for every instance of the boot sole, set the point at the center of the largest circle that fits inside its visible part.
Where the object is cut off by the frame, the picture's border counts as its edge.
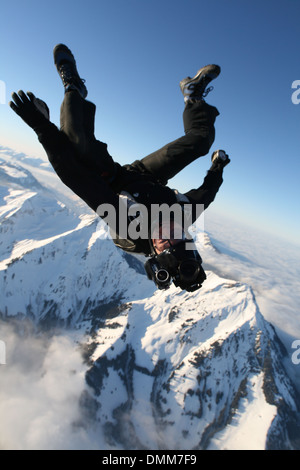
(62, 53)
(211, 71)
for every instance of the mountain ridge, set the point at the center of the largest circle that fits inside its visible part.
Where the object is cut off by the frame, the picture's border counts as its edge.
(164, 369)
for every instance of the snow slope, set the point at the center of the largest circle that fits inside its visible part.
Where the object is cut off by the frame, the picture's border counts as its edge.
(156, 370)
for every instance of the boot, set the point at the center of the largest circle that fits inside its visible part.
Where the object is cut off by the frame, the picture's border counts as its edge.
(66, 67)
(195, 88)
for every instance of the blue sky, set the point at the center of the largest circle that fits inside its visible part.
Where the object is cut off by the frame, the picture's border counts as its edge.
(133, 53)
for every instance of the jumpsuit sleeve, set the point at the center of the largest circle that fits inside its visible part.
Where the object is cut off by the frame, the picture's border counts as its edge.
(72, 171)
(206, 193)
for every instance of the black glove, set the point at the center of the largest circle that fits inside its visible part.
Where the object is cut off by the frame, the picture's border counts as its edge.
(219, 159)
(32, 110)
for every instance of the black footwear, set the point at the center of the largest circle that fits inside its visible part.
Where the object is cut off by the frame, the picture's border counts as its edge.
(66, 67)
(195, 88)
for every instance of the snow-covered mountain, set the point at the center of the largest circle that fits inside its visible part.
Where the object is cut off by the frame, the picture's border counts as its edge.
(162, 370)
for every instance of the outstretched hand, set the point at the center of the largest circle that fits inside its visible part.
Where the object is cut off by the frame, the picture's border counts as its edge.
(220, 158)
(32, 110)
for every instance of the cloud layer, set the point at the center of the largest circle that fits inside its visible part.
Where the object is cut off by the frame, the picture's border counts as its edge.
(40, 390)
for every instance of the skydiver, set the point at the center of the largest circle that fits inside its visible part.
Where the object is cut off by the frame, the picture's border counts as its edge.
(84, 164)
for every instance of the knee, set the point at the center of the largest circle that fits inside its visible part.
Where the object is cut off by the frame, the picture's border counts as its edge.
(200, 118)
(202, 139)
(80, 144)
(208, 141)
(78, 141)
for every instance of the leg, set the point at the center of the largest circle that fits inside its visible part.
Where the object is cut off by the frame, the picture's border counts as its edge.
(198, 118)
(78, 115)
(77, 118)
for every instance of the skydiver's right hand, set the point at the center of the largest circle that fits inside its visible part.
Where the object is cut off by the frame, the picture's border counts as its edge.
(32, 110)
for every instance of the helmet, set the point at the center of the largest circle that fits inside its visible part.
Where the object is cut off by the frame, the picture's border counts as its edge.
(180, 264)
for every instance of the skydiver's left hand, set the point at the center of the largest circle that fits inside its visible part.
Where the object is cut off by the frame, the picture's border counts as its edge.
(32, 110)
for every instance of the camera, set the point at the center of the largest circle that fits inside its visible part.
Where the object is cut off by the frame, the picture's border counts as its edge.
(156, 273)
(179, 265)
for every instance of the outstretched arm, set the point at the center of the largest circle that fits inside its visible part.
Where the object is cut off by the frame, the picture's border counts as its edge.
(78, 177)
(206, 193)
(35, 113)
